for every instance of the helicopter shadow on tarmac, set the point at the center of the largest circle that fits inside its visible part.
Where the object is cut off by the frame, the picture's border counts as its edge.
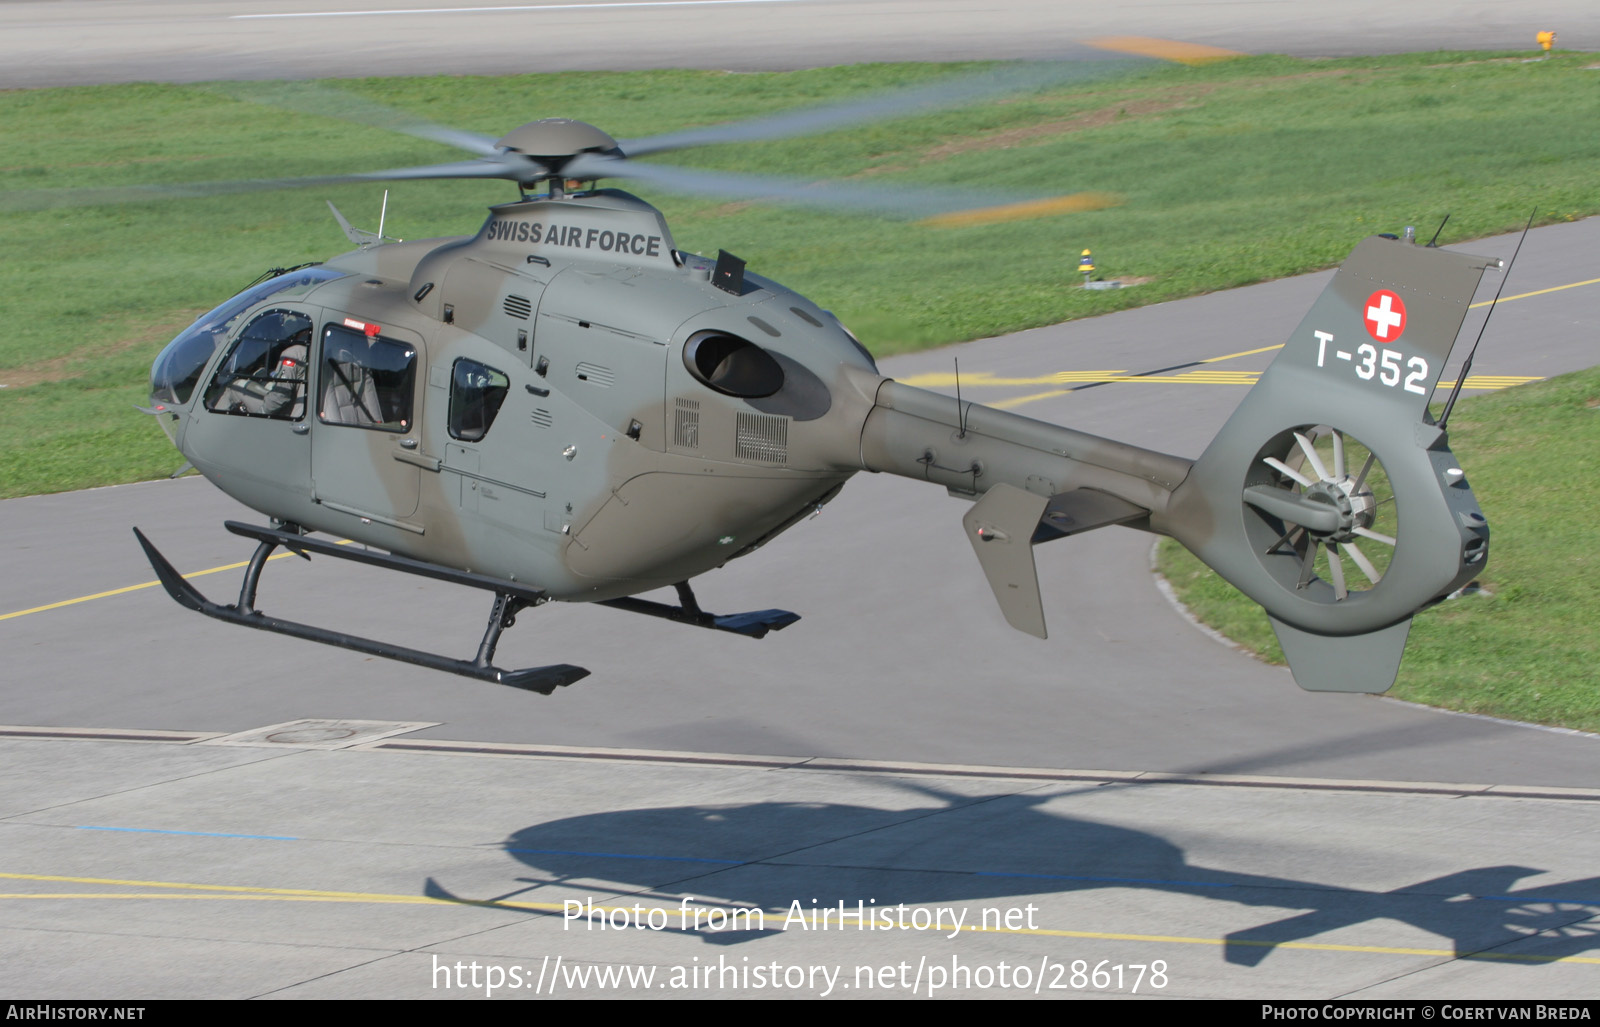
(1024, 850)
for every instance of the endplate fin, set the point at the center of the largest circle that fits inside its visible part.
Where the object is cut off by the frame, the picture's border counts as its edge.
(1367, 662)
(1000, 527)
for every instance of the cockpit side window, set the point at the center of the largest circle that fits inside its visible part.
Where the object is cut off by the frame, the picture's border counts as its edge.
(366, 381)
(476, 392)
(264, 373)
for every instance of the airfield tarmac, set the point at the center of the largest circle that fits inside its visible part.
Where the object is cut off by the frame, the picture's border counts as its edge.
(1152, 793)
(179, 869)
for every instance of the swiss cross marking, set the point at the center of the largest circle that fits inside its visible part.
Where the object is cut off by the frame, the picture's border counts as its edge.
(1385, 316)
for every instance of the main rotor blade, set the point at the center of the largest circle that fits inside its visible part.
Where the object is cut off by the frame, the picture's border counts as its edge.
(306, 98)
(48, 199)
(513, 167)
(945, 93)
(904, 201)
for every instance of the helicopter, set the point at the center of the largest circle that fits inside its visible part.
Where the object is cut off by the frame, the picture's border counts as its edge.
(565, 407)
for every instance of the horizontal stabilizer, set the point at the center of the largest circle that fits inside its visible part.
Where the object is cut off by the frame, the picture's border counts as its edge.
(1343, 663)
(1080, 510)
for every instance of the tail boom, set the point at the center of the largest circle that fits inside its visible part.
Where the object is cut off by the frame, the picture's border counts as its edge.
(1263, 506)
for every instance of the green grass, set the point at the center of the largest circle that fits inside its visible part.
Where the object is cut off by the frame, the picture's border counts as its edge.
(1524, 647)
(1232, 173)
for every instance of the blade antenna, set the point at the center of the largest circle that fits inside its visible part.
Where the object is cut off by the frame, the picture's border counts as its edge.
(1434, 242)
(961, 416)
(1467, 365)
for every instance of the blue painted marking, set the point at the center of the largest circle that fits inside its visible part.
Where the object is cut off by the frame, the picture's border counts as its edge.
(1108, 880)
(200, 834)
(625, 855)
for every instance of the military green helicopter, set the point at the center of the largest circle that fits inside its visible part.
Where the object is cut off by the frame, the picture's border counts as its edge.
(566, 407)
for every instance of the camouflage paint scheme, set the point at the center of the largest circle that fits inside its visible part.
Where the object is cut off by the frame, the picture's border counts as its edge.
(613, 467)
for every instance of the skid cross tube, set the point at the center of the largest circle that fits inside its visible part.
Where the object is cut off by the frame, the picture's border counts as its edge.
(510, 597)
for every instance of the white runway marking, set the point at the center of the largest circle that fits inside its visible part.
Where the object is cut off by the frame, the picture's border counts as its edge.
(518, 7)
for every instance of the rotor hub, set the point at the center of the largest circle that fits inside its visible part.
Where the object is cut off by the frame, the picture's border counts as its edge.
(1308, 503)
(554, 140)
(1355, 508)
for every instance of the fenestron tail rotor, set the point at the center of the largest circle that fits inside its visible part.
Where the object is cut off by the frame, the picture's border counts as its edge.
(1324, 509)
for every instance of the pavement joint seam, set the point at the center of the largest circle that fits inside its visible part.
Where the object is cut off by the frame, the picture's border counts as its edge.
(141, 787)
(1099, 778)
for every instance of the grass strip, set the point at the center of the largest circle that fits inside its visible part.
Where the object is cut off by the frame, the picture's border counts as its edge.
(1232, 173)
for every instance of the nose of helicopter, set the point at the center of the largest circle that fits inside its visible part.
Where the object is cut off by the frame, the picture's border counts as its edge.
(556, 137)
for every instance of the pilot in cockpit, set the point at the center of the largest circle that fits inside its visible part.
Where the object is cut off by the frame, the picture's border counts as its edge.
(285, 392)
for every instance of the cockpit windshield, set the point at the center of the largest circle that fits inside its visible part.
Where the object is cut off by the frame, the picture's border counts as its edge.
(177, 369)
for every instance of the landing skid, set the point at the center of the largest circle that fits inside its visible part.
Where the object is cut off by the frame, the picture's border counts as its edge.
(510, 599)
(755, 624)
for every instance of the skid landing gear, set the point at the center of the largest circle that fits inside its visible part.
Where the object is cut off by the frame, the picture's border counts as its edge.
(510, 598)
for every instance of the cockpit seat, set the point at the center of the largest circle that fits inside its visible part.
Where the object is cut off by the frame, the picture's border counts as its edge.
(349, 393)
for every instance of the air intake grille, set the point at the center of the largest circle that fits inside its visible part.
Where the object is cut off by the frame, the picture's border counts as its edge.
(594, 374)
(686, 425)
(519, 306)
(762, 438)
(542, 417)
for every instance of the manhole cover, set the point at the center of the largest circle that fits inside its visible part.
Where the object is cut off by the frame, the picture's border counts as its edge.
(319, 734)
(311, 734)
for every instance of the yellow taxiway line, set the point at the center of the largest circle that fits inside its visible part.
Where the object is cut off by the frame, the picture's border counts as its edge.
(942, 380)
(926, 381)
(135, 588)
(187, 890)
(128, 588)
(1536, 292)
(1482, 382)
